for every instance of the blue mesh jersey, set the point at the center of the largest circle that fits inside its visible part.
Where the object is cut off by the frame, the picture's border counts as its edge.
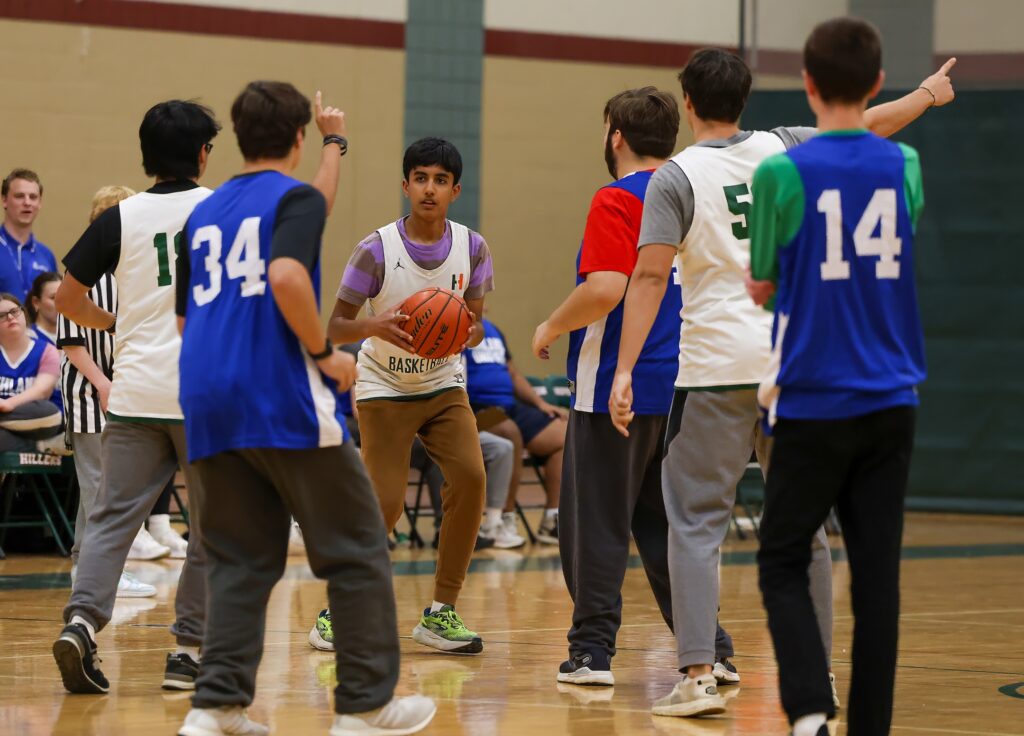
(833, 224)
(18, 377)
(488, 381)
(610, 244)
(246, 381)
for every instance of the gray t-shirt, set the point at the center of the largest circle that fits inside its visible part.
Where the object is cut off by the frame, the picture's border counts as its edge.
(668, 203)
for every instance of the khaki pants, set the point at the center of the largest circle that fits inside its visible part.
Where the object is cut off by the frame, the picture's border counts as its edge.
(446, 426)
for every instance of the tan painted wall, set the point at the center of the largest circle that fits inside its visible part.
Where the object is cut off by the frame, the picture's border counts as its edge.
(72, 110)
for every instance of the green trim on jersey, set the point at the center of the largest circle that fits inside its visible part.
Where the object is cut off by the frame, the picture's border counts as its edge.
(845, 131)
(913, 186)
(112, 417)
(776, 216)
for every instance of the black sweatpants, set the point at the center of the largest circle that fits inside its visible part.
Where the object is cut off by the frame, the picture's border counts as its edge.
(860, 465)
(246, 521)
(611, 487)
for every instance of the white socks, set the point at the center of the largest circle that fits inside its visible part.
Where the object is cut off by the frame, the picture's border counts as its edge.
(436, 606)
(193, 652)
(809, 725)
(550, 514)
(89, 627)
(159, 521)
(492, 517)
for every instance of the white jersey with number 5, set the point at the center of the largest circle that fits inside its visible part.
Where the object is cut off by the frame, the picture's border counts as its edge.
(146, 344)
(725, 339)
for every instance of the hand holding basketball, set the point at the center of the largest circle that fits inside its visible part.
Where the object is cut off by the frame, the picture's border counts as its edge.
(340, 366)
(439, 323)
(329, 120)
(475, 329)
(388, 326)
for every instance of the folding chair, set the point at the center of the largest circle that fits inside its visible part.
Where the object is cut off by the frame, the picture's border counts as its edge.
(33, 469)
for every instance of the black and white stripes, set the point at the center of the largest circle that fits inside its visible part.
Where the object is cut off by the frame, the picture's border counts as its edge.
(81, 402)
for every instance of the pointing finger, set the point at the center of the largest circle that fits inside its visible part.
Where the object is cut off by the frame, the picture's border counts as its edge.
(319, 103)
(944, 69)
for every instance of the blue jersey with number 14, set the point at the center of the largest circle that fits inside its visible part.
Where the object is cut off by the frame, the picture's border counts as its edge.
(839, 211)
(246, 381)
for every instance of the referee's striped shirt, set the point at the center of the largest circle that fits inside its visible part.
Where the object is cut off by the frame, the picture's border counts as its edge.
(81, 402)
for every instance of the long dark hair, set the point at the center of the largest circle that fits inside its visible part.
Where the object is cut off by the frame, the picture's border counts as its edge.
(36, 293)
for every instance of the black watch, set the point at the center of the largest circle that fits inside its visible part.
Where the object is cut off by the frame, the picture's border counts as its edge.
(325, 353)
(340, 140)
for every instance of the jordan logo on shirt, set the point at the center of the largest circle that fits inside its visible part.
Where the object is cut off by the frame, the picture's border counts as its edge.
(398, 265)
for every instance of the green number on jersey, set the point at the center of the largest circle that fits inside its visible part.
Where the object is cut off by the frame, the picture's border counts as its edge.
(738, 208)
(160, 243)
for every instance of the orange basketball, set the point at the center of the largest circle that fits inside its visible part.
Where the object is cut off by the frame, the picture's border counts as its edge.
(439, 322)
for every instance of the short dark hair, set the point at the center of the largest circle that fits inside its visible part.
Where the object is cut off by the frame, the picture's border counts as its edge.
(266, 117)
(647, 118)
(844, 57)
(433, 152)
(26, 174)
(717, 83)
(37, 291)
(172, 134)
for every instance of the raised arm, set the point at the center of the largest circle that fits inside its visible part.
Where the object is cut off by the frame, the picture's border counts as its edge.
(891, 117)
(329, 121)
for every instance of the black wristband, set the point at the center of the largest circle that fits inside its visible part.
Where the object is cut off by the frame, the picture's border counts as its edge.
(325, 353)
(340, 140)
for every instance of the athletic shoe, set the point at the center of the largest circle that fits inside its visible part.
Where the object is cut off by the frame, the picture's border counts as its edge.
(822, 731)
(75, 653)
(401, 716)
(228, 720)
(146, 548)
(510, 522)
(444, 630)
(691, 697)
(54, 445)
(725, 672)
(296, 544)
(161, 530)
(131, 587)
(500, 536)
(835, 693)
(321, 636)
(548, 531)
(585, 669)
(180, 673)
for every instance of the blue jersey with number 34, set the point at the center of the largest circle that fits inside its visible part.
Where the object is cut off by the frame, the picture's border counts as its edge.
(246, 381)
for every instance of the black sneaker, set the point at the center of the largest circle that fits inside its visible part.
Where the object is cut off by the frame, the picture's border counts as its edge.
(482, 543)
(586, 669)
(75, 653)
(725, 672)
(180, 673)
(547, 533)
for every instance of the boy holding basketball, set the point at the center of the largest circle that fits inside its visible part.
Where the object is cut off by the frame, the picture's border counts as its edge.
(401, 396)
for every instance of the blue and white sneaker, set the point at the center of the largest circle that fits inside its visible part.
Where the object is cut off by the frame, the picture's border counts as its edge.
(586, 669)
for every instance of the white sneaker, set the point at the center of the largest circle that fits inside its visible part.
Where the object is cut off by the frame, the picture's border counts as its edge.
(691, 698)
(228, 720)
(501, 536)
(161, 530)
(725, 672)
(296, 544)
(401, 716)
(835, 693)
(547, 532)
(146, 548)
(130, 586)
(509, 523)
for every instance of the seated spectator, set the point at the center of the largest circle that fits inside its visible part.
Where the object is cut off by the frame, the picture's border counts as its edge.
(506, 405)
(29, 368)
(22, 195)
(42, 305)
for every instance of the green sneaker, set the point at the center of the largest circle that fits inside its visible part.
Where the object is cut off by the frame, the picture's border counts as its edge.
(444, 630)
(322, 635)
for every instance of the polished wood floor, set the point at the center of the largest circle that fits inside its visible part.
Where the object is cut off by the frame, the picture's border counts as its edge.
(961, 668)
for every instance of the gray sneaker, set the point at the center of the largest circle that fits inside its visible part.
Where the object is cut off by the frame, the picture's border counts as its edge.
(400, 716)
(691, 698)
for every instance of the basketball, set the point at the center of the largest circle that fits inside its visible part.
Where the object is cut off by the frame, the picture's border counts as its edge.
(439, 322)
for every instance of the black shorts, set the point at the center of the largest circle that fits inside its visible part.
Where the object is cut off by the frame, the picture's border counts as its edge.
(530, 420)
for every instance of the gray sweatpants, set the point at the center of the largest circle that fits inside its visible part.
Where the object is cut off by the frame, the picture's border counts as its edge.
(137, 460)
(87, 447)
(711, 435)
(328, 491)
